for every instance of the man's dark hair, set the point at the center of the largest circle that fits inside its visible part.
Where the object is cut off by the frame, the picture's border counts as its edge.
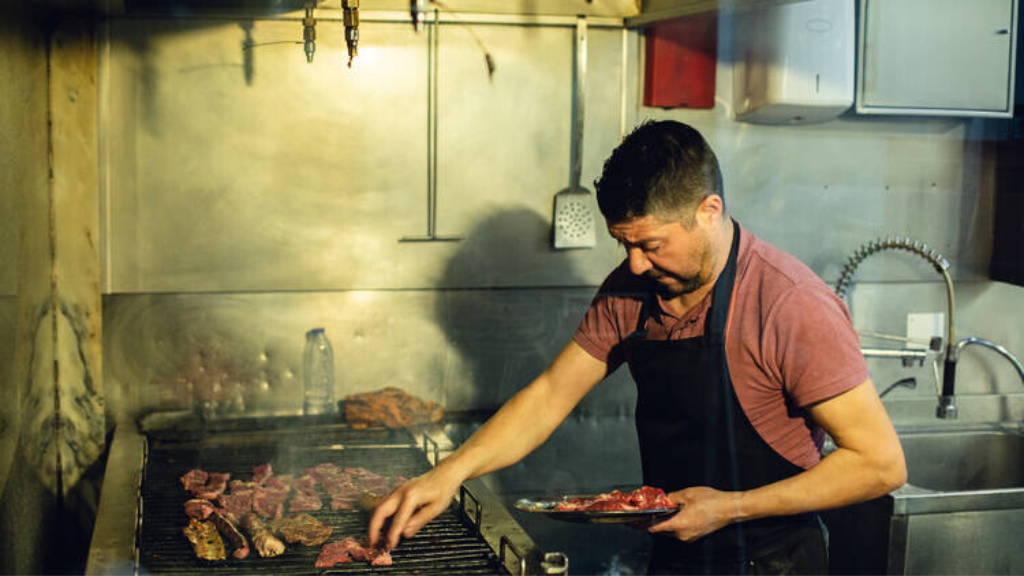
(662, 169)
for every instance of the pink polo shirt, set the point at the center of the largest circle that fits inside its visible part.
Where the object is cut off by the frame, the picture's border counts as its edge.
(789, 341)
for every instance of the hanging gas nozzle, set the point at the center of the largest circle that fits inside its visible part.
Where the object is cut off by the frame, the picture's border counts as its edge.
(351, 9)
(417, 9)
(309, 32)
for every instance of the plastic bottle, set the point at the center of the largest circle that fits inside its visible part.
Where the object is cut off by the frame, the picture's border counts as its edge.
(318, 374)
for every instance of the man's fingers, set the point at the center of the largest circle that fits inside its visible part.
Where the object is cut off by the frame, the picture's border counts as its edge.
(420, 519)
(398, 522)
(383, 511)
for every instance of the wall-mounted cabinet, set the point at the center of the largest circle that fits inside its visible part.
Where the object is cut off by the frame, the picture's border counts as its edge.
(937, 57)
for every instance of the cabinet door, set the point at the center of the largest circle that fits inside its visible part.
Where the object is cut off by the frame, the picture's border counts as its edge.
(938, 57)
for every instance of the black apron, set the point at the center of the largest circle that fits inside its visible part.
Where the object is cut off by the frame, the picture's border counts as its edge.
(693, 432)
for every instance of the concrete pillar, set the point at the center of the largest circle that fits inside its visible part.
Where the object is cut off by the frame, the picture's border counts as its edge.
(52, 428)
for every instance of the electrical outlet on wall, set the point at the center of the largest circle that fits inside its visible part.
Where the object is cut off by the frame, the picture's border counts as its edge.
(923, 326)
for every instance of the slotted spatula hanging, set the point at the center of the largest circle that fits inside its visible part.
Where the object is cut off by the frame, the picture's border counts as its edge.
(573, 220)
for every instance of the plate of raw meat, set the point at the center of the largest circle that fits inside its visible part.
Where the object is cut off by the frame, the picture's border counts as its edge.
(613, 507)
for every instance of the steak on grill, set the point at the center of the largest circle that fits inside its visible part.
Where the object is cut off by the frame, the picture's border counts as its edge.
(205, 485)
(206, 542)
(198, 508)
(229, 531)
(302, 529)
(350, 549)
(390, 407)
(267, 545)
(237, 502)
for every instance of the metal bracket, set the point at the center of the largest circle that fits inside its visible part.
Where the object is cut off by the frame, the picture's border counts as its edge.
(475, 519)
(555, 563)
(433, 52)
(437, 449)
(506, 543)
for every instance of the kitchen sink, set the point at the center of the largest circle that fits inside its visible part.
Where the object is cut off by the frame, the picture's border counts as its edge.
(960, 512)
(947, 460)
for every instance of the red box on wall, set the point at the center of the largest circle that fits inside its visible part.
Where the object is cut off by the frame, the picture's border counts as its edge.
(680, 65)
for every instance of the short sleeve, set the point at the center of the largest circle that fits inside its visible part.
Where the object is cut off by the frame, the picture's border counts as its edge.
(809, 344)
(608, 320)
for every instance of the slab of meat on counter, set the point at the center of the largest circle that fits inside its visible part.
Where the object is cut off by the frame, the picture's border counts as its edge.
(644, 498)
(302, 529)
(350, 549)
(205, 485)
(228, 529)
(261, 473)
(206, 542)
(266, 544)
(390, 407)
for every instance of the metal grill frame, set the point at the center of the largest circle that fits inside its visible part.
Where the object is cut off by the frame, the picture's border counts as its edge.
(114, 547)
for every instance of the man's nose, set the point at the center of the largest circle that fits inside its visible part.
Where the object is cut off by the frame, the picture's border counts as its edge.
(638, 262)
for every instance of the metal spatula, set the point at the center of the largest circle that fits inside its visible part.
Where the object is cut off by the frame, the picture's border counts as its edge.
(573, 220)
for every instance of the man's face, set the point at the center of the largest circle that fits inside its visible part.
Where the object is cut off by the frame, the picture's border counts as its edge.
(679, 260)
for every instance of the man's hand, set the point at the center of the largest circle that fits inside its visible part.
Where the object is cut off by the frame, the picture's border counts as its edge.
(702, 510)
(411, 506)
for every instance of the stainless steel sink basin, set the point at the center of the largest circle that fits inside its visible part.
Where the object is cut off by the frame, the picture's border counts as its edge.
(960, 512)
(964, 460)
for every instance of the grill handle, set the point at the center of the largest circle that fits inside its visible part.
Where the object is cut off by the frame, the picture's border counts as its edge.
(506, 543)
(464, 493)
(437, 450)
(555, 563)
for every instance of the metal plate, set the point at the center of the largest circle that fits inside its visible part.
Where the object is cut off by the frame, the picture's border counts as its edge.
(547, 506)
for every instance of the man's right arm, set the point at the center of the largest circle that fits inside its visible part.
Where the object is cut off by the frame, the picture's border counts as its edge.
(519, 427)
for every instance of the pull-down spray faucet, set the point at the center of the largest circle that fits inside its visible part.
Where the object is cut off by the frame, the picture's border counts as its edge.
(947, 401)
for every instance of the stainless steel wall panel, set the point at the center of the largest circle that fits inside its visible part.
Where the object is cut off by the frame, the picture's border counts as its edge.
(269, 174)
(250, 169)
(983, 309)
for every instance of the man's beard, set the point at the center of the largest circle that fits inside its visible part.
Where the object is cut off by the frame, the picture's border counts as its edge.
(683, 285)
(679, 287)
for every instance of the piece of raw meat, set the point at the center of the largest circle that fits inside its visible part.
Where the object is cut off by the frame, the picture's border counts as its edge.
(349, 549)
(205, 485)
(236, 503)
(198, 508)
(644, 498)
(334, 553)
(268, 502)
(261, 473)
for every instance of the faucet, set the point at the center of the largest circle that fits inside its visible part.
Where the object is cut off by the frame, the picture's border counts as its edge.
(947, 401)
(991, 345)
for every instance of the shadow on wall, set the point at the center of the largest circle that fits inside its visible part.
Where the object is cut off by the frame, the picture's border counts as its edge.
(507, 335)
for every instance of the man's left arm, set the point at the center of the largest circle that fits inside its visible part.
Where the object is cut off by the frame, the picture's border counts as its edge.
(868, 463)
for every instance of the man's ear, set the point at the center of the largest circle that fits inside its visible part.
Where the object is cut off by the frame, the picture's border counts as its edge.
(710, 210)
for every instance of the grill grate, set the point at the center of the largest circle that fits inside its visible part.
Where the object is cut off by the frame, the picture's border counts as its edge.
(447, 545)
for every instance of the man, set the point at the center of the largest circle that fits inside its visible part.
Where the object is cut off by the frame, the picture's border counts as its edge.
(742, 358)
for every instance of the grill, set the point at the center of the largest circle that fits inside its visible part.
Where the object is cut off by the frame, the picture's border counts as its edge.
(141, 513)
(448, 545)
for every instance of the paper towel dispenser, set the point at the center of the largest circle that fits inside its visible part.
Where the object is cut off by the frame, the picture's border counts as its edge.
(794, 63)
